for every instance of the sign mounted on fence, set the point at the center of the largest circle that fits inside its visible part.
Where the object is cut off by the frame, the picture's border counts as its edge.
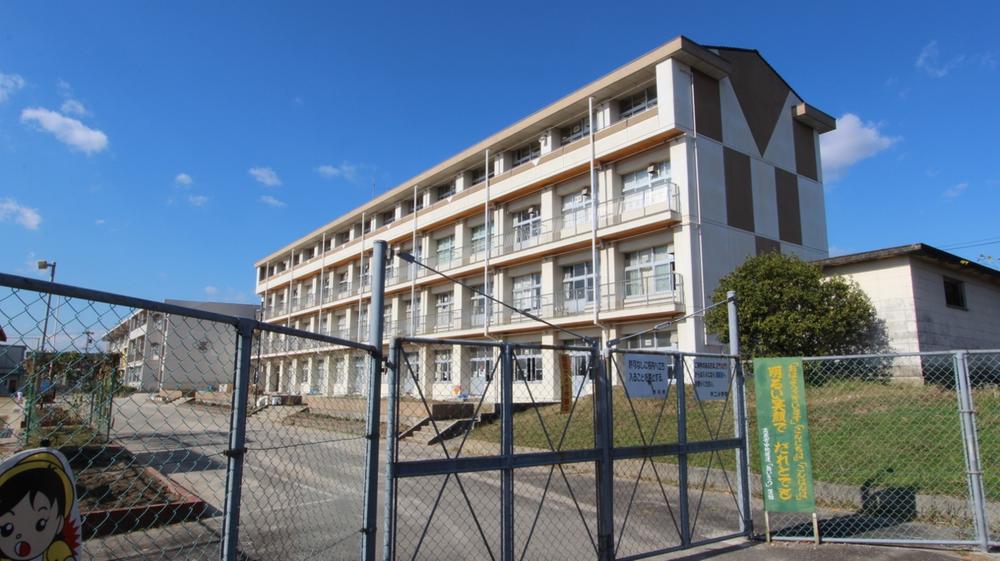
(646, 375)
(711, 378)
(786, 463)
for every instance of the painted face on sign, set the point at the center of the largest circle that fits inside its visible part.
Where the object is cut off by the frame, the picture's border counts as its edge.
(27, 529)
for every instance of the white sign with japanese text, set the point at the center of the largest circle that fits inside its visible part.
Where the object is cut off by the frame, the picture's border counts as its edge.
(646, 375)
(711, 378)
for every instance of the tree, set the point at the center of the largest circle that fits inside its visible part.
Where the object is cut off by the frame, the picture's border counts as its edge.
(786, 307)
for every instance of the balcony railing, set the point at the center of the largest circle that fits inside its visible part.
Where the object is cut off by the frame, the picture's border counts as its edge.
(643, 291)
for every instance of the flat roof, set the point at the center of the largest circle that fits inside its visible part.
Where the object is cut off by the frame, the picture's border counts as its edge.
(919, 250)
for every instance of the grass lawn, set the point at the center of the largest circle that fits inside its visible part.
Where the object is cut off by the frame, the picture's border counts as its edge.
(897, 435)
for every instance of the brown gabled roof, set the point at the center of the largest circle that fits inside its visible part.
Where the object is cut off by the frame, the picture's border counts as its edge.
(918, 250)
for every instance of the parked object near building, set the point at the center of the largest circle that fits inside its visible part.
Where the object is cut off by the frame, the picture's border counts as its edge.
(162, 352)
(616, 208)
(930, 300)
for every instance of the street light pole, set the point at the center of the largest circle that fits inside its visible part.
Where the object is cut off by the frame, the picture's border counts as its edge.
(42, 265)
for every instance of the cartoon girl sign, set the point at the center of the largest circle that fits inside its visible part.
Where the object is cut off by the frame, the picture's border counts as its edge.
(39, 519)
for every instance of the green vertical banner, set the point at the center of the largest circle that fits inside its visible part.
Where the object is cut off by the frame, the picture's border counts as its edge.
(786, 463)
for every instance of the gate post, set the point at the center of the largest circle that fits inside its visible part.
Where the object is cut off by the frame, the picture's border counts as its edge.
(391, 454)
(971, 440)
(682, 454)
(237, 445)
(738, 390)
(375, 319)
(605, 467)
(506, 453)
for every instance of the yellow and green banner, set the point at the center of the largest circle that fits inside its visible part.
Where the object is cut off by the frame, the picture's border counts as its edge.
(782, 426)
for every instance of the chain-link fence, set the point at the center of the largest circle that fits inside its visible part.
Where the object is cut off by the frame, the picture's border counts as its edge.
(190, 437)
(904, 449)
(507, 450)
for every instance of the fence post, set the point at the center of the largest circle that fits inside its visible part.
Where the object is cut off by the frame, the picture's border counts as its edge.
(506, 452)
(738, 390)
(237, 444)
(682, 455)
(391, 454)
(971, 438)
(605, 468)
(375, 319)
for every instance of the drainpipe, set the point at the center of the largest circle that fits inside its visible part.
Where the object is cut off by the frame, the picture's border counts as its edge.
(361, 274)
(413, 269)
(697, 190)
(487, 287)
(594, 264)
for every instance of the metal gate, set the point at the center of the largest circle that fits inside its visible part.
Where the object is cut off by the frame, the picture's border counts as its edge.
(553, 458)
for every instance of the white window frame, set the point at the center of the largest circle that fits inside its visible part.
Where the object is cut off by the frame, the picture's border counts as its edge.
(524, 154)
(442, 192)
(527, 224)
(527, 292)
(576, 208)
(444, 250)
(640, 190)
(574, 131)
(479, 238)
(649, 272)
(480, 306)
(578, 279)
(529, 366)
(443, 306)
(481, 360)
(442, 365)
(637, 102)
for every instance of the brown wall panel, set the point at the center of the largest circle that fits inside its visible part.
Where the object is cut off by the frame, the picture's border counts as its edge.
(739, 191)
(805, 150)
(707, 106)
(789, 217)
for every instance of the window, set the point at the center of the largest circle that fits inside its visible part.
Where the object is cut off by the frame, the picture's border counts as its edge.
(343, 283)
(954, 293)
(444, 191)
(408, 310)
(479, 239)
(527, 225)
(646, 186)
(442, 307)
(578, 287)
(388, 217)
(442, 366)
(574, 131)
(481, 305)
(366, 275)
(528, 366)
(649, 271)
(481, 363)
(525, 154)
(154, 349)
(576, 208)
(579, 361)
(656, 340)
(367, 225)
(445, 250)
(528, 292)
(343, 238)
(420, 201)
(479, 175)
(637, 102)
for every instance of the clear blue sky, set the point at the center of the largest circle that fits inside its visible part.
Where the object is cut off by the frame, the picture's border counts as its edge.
(138, 139)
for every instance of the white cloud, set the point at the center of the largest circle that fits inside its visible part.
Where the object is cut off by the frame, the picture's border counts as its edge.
(265, 175)
(211, 290)
(69, 131)
(929, 60)
(956, 190)
(271, 201)
(197, 200)
(183, 179)
(346, 170)
(12, 210)
(851, 142)
(9, 83)
(100, 222)
(73, 107)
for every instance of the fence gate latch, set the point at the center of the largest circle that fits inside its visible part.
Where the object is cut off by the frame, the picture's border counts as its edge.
(234, 452)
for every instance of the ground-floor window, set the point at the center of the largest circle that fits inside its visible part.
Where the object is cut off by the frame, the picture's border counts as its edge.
(442, 366)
